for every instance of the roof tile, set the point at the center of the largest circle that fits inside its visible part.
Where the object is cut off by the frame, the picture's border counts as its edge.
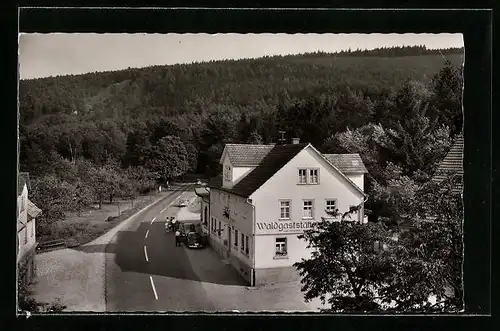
(271, 163)
(242, 155)
(452, 163)
(33, 210)
(347, 163)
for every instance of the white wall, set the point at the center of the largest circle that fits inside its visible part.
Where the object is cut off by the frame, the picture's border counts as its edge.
(240, 218)
(240, 212)
(283, 185)
(240, 172)
(27, 231)
(265, 251)
(228, 183)
(23, 213)
(358, 179)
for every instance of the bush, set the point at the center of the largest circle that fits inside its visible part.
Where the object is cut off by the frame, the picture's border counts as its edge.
(26, 302)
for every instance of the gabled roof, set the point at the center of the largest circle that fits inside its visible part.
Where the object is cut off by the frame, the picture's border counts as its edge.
(452, 163)
(347, 163)
(275, 159)
(24, 178)
(33, 210)
(245, 155)
(271, 163)
(347, 179)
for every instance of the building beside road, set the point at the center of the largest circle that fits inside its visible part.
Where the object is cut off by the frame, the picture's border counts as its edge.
(267, 196)
(26, 236)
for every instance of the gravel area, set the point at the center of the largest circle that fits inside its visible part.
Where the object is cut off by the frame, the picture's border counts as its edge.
(215, 277)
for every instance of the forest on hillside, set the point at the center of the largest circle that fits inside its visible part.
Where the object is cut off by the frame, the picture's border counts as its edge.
(93, 137)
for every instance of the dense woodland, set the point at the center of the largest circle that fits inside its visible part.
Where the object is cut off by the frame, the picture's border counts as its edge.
(93, 137)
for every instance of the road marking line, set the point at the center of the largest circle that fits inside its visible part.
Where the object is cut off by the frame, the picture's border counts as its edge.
(146, 254)
(147, 232)
(170, 204)
(153, 220)
(153, 286)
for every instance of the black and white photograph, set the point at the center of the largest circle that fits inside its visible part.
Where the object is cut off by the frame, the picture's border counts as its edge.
(264, 172)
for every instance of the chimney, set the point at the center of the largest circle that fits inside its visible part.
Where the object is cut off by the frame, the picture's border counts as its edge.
(282, 139)
(295, 141)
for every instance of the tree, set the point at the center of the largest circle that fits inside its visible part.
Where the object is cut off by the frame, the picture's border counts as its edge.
(446, 100)
(417, 264)
(54, 197)
(103, 181)
(192, 153)
(344, 269)
(138, 147)
(141, 179)
(255, 138)
(83, 196)
(169, 158)
(430, 255)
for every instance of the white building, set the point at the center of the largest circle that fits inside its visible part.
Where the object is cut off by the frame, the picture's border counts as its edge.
(267, 196)
(26, 236)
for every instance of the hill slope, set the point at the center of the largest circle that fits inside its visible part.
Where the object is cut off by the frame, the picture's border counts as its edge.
(253, 84)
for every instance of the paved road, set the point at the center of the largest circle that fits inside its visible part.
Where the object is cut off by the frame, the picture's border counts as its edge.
(147, 272)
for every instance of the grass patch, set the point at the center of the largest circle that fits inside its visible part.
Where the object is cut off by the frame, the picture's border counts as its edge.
(79, 230)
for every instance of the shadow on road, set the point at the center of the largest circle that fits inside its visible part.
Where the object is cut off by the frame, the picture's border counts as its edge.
(164, 258)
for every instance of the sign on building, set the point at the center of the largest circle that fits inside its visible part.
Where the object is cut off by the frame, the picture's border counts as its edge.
(279, 227)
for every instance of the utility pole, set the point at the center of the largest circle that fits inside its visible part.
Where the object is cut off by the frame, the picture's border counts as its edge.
(282, 139)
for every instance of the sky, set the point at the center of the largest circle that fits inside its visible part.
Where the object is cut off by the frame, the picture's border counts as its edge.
(44, 55)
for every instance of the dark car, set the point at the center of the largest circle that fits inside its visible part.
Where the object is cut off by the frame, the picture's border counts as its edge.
(194, 240)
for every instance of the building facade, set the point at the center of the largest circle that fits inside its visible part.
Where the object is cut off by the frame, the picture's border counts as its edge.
(26, 232)
(268, 195)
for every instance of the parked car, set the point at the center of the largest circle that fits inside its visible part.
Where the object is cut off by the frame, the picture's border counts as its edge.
(194, 240)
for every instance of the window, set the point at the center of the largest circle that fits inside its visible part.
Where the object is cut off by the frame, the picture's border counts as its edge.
(331, 205)
(219, 233)
(302, 176)
(205, 219)
(308, 176)
(285, 209)
(313, 176)
(235, 238)
(227, 173)
(246, 246)
(242, 242)
(281, 247)
(307, 209)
